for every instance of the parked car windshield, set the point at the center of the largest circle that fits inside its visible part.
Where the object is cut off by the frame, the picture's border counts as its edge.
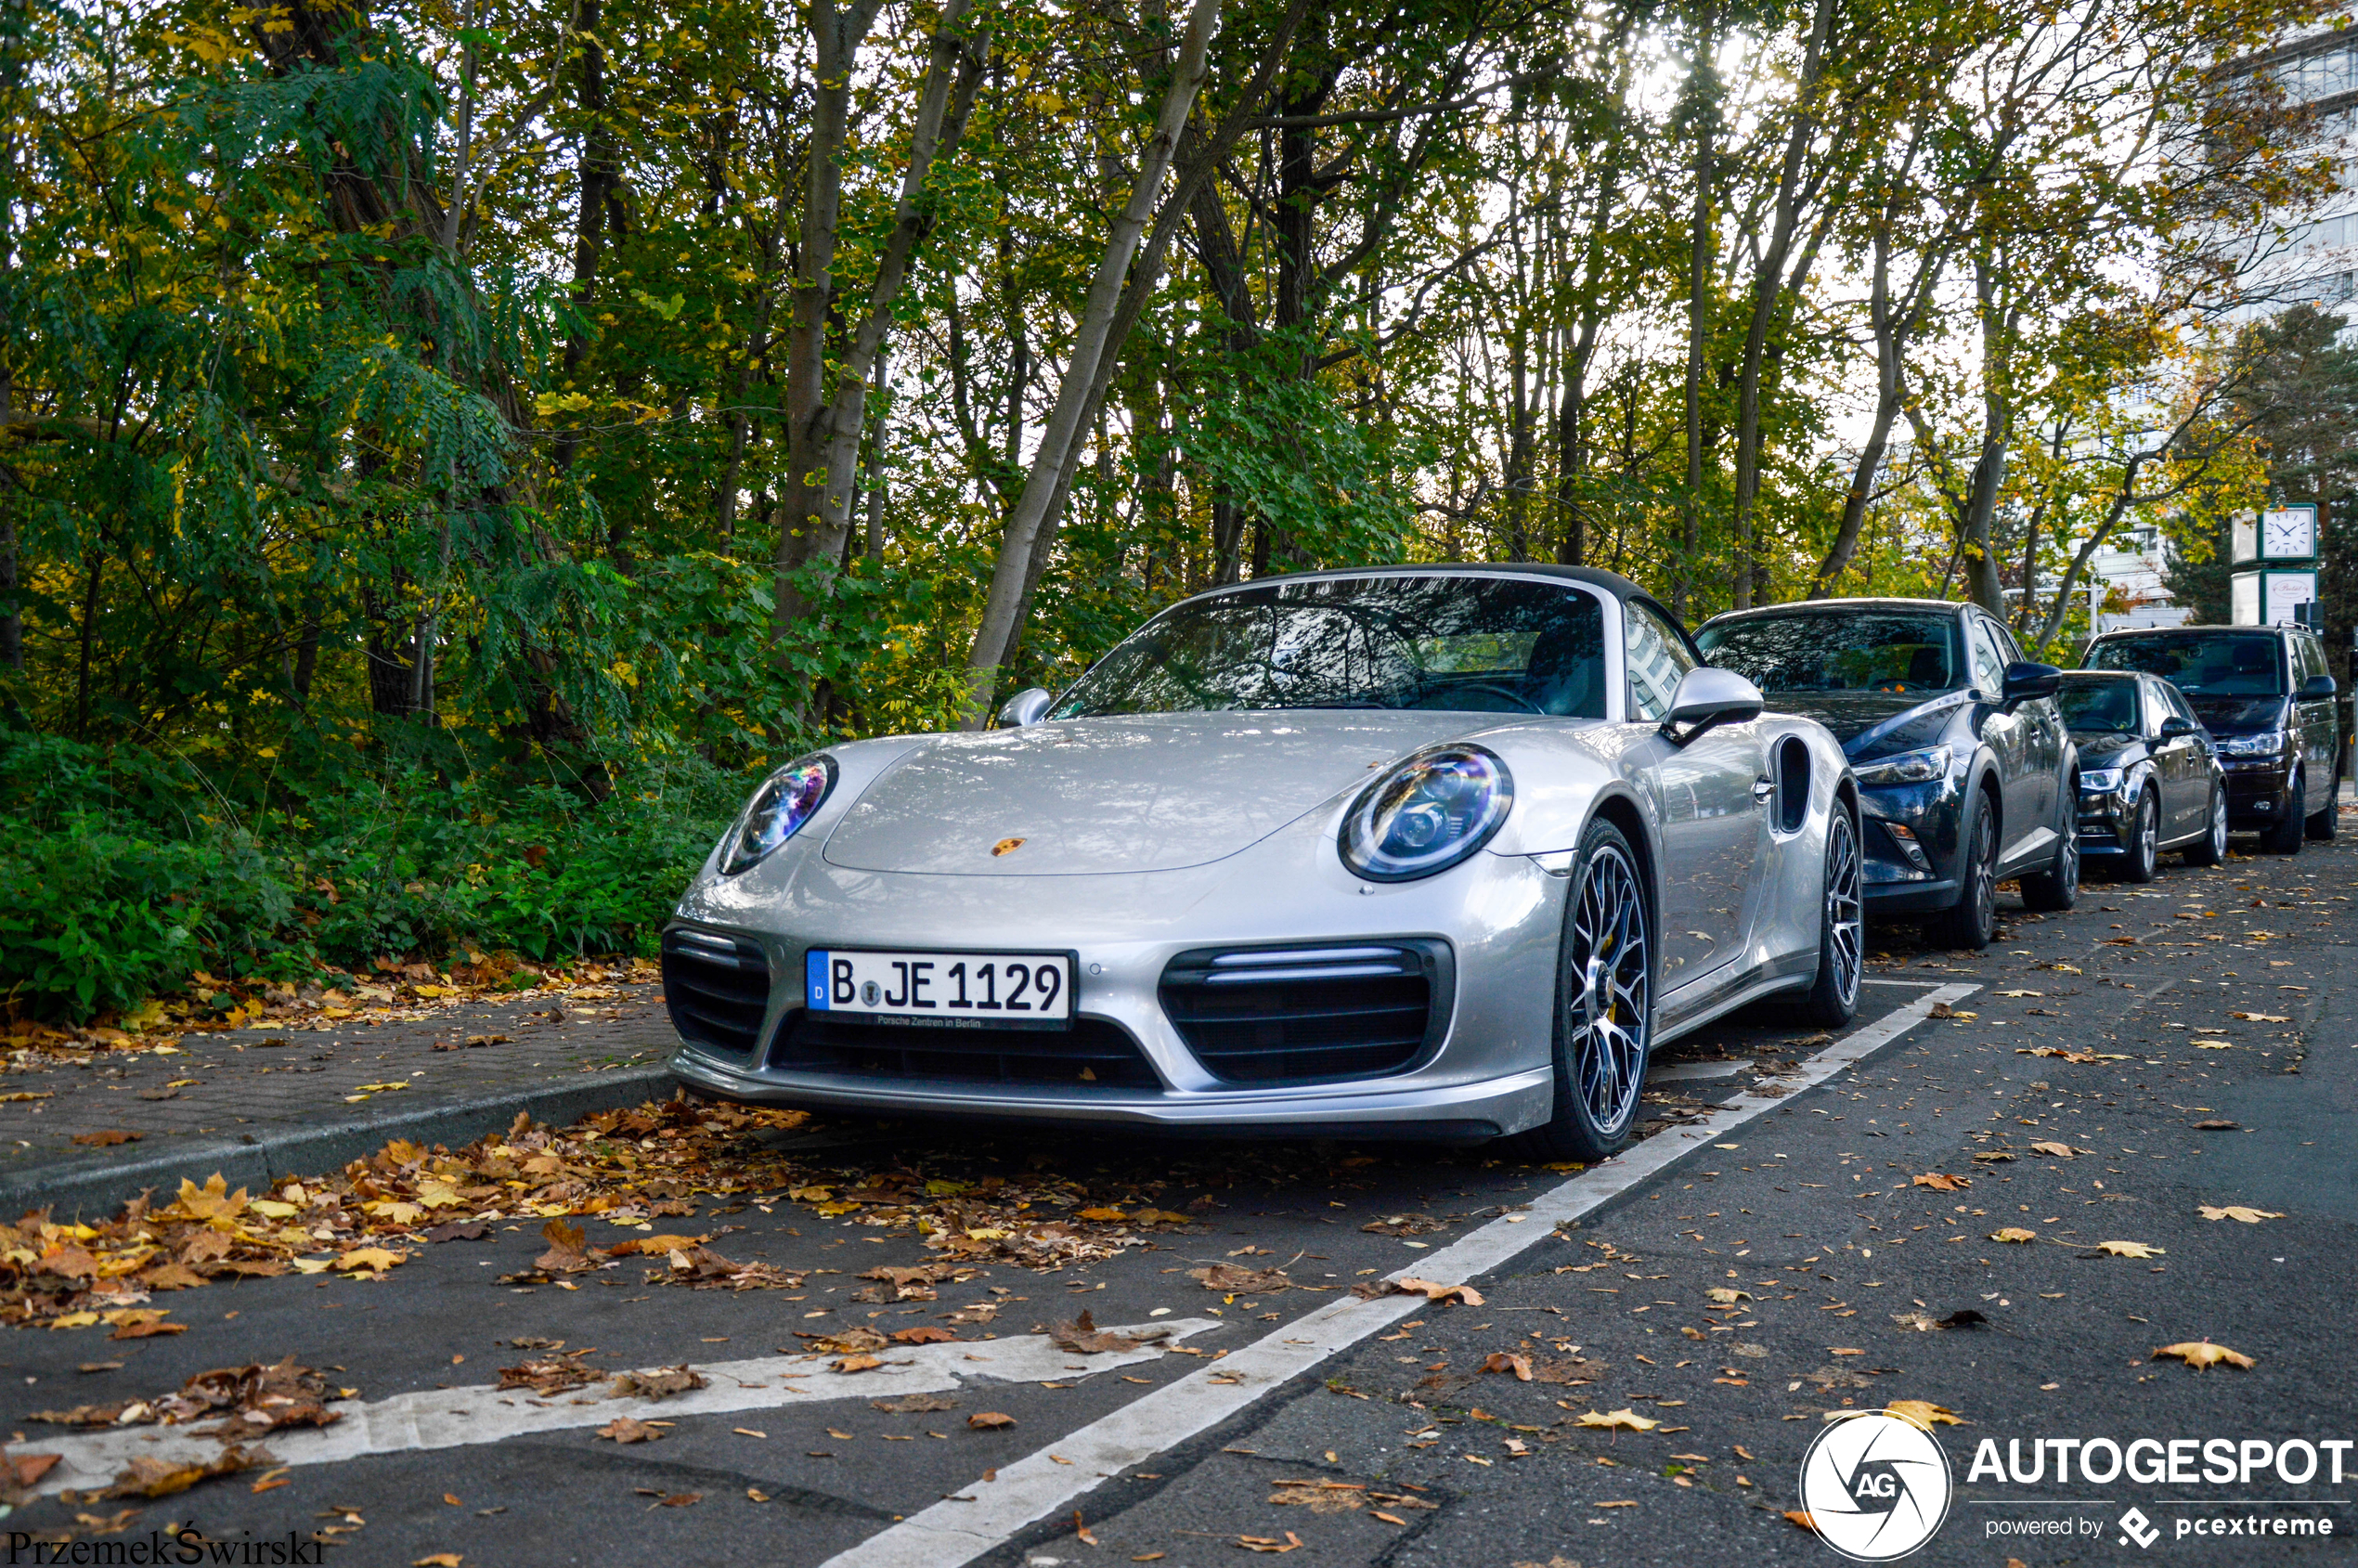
(2211, 664)
(1484, 645)
(1840, 651)
(2099, 705)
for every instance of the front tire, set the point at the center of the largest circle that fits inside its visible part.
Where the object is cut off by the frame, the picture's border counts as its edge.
(1833, 997)
(2321, 824)
(2211, 849)
(2057, 887)
(1972, 921)
(2283, 836)
(1604, 1006)
(2141, 854)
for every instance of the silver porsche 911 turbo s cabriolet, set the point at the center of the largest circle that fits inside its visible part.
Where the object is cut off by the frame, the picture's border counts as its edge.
(1413, 851)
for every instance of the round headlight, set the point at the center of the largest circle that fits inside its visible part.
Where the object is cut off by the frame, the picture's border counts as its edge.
(1428, 813)
(782, 804)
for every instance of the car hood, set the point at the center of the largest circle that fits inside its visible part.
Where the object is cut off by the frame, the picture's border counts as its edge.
(1146, 792)
(2107, 748)
(1870, 723)
(2238, 715)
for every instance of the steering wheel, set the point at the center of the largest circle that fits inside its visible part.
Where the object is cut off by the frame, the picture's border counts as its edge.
(1492, 687)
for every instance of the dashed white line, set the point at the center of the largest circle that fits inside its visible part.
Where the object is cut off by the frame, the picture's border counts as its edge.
(987, 1513)
(459, 1417)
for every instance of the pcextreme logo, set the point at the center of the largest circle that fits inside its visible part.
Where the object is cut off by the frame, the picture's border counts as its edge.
(1877, 1485)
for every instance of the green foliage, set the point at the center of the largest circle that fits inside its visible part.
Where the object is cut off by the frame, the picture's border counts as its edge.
(123, 872)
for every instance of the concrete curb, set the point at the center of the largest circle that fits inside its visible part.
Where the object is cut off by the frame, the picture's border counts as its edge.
(96, 1189)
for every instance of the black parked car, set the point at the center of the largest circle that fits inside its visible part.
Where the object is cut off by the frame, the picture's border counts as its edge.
(2149, 779)
(2265, 695)
(1967, 775)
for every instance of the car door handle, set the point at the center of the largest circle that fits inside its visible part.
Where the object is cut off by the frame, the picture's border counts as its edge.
(1761, 790)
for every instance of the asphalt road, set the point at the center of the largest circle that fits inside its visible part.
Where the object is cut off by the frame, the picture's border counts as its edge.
(1785, 1168)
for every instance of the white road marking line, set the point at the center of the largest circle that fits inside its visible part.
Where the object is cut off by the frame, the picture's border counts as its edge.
(1680, 1072)
(1035, 1486)
(1871, 980)
(458, 1417)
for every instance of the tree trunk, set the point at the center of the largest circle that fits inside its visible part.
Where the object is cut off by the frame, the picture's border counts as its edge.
(824, 432)
(1058, 439)
(1997, 433)
(1770, 291)
(1701, 105)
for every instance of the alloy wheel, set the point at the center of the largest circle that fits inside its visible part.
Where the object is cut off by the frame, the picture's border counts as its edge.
(1611, 1016)
(1844, 905)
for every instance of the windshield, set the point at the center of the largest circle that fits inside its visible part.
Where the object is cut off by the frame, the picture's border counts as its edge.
(2099, 705)
(2223, 664)
(1840, 651)
(1482, 644)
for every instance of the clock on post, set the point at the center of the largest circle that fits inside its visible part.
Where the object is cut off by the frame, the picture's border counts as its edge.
(2275, 566)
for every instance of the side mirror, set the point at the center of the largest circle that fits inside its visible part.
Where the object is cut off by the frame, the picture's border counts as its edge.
(2316, 687)
(2026, 680)
(1706, 696)
(1025, 707)
(2173, 726)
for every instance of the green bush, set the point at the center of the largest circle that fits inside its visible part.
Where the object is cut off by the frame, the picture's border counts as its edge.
(122, 873)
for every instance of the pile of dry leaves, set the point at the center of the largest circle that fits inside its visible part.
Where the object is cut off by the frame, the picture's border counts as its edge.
(389, 990)
(249, 1401)
(625, 1168)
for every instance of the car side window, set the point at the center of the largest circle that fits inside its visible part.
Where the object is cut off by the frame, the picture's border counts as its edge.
(2310, 661)
(1988, 665)
(2154, 708)
(1658, 658)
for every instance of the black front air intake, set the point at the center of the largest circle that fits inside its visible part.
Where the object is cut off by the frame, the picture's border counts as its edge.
(1305, 1013)
(718, 989)
(1093, 1054)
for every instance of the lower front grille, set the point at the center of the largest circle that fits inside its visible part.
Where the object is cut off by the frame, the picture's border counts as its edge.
(1094, 1052)
(1307, 1015)
(718, 989)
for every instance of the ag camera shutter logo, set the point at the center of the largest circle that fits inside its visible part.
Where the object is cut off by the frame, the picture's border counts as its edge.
(1877, 1485)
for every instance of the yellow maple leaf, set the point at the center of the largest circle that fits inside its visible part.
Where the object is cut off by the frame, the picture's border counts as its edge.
(1923, 1412)
(1103, 1214)
(2238, 1211)
(376, 1257)
(2013, 1233)
(2131, 1250)
(2202, 1352)
(1626, 1420)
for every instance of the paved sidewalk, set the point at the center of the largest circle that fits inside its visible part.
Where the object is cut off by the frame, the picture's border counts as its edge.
(259, 1100)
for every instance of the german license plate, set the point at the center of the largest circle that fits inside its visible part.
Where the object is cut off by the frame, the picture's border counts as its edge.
(952, 990)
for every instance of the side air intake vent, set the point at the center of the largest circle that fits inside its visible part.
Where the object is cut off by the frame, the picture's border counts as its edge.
(718, 989)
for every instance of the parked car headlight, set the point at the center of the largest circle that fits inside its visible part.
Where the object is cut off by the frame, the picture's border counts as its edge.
(1429, 813)
(2103, 780)
(787, 800)
(2252, 745)
(1909, 767)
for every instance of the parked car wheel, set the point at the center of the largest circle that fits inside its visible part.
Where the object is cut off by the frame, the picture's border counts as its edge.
(2322, 823)
(2283, 836)
(1604, 1005)
(2141, 854)
(1834, 998)
(2057, 887)
(1973, 919)
(2212, 848)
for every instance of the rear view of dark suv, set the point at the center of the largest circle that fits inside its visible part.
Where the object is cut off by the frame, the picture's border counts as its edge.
(2264, 694)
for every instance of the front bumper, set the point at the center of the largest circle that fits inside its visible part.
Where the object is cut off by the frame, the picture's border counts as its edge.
(1485, 1068)
(1909, 844)
(2105, 822)
(2259, 791)
(1468, 1112)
